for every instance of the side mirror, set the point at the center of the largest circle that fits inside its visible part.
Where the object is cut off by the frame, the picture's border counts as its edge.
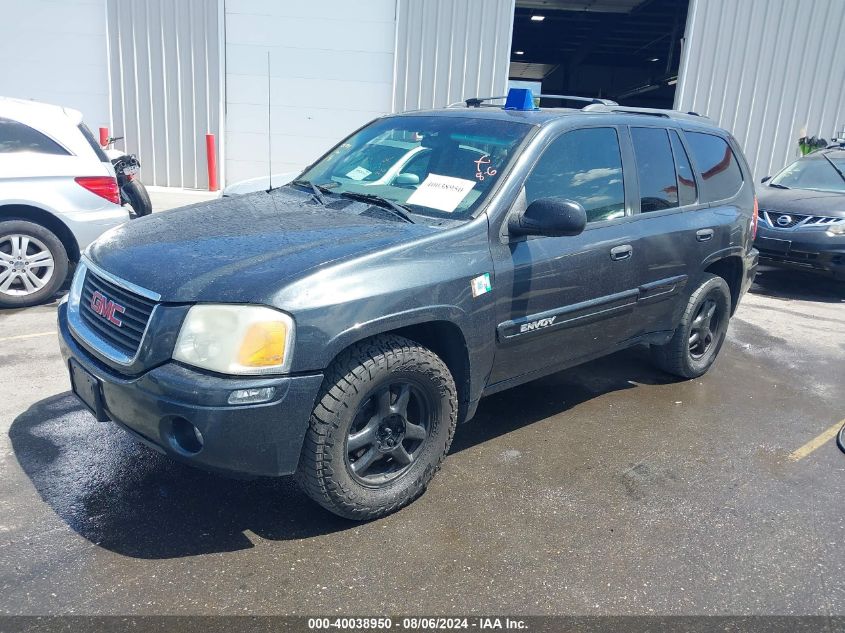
(766, 179)
(552, 217)
(407, 179)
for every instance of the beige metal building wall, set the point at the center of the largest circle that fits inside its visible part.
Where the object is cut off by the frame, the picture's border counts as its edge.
(770, 71)
(449, 50)
(165, 75)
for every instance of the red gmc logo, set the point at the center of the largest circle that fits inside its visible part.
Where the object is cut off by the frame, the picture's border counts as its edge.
(107, 308)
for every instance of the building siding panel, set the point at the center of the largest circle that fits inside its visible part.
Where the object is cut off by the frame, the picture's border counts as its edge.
(166, 91)
(770, 71)
(450, 50)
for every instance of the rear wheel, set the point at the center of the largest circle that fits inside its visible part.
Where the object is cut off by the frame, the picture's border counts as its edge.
(139, 199)
(33, 264)
(840, 438)
(700, 333)
(382, 425)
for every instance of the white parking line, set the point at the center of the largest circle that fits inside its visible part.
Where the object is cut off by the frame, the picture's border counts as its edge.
(23, 336)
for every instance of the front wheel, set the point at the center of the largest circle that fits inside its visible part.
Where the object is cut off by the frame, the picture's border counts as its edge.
(138, 198)
(383, 423)
(840, 439)
(33, 264)
(700, 333)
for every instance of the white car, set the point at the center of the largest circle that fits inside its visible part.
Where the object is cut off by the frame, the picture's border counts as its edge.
(58, 193)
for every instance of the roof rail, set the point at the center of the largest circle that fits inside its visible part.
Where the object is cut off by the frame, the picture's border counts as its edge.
(666, 114)
(590, 100)
(476, 102)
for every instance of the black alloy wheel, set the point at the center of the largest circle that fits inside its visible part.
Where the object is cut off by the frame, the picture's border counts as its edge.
(388, 433)
(704, 324)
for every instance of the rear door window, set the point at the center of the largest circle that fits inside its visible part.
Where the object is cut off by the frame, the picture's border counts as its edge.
(16, 137)
(655, 168)
(721, 176)
(584, 166)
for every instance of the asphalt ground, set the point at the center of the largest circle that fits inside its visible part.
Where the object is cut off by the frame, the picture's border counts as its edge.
(605, 489)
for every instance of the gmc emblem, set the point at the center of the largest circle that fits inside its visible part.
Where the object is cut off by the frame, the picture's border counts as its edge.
(107, 308)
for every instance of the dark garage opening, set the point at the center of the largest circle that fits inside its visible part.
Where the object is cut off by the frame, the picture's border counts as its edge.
(625, 50)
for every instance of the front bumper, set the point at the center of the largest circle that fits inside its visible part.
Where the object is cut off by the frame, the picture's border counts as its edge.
(245, 440)
(809, 249)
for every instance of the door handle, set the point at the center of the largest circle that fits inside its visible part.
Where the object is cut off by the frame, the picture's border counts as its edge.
(621, 252)
(703, 235)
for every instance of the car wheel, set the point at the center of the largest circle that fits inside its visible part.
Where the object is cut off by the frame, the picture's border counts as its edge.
(840, 439)
(700, 334)
(33, 264)
(383, 423)
(138, 197)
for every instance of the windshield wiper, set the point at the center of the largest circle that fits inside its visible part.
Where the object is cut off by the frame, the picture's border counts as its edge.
(317, 190)
(832, 164)
(777, 186)
(397, 209)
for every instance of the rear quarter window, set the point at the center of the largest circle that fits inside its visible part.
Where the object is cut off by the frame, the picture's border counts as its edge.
(15, 137)
(721, 176)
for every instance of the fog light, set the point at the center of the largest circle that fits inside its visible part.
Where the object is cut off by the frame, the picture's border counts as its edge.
(185, 436)
(251, 396)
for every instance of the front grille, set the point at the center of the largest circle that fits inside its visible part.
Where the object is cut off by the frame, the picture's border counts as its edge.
(793, 219)
(136, 313)
(771, 218)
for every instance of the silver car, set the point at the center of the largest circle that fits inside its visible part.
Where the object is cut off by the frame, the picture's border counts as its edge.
(58, 194)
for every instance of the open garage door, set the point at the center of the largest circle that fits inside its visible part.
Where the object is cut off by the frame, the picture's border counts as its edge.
(625, 50)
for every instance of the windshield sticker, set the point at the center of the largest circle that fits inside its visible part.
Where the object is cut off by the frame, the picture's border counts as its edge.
(480, 285)
(359, 173)
(443, 193)
(481, 169)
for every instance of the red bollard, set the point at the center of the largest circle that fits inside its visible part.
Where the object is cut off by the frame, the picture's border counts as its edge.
(211, 155)
(104, 136)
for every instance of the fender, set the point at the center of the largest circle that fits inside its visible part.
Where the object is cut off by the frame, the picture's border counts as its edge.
(722, 253)
(388, 322)
(479, 352)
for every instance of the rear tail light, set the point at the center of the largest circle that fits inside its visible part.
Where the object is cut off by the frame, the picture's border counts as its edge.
(103, 186)
(754, 218)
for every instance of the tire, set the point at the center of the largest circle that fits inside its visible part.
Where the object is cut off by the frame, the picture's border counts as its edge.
(139, 199)
(688, 356)
(840, 439)
(33, 264)
(359, 400)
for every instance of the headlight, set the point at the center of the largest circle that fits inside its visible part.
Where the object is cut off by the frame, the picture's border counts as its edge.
(236, 339)
(837, 229)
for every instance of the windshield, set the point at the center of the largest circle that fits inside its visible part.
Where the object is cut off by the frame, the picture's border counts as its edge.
(433, 165)
(813, 172)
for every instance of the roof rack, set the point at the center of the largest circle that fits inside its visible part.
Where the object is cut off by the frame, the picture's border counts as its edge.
(666, 114)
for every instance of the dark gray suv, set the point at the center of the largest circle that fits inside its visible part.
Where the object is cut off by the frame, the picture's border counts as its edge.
(340, 327)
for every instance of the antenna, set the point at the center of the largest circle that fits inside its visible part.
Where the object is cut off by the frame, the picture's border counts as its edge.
(269, 129)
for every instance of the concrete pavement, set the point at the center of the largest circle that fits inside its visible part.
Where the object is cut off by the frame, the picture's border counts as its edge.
(605, 489)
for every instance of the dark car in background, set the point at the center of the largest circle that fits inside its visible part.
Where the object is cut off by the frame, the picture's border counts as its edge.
(802, 214)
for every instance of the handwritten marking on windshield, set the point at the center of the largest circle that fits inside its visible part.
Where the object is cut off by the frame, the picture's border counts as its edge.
(489, 171)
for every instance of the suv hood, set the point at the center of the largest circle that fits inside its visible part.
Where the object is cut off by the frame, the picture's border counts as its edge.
(243, 249)
(801, 201)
